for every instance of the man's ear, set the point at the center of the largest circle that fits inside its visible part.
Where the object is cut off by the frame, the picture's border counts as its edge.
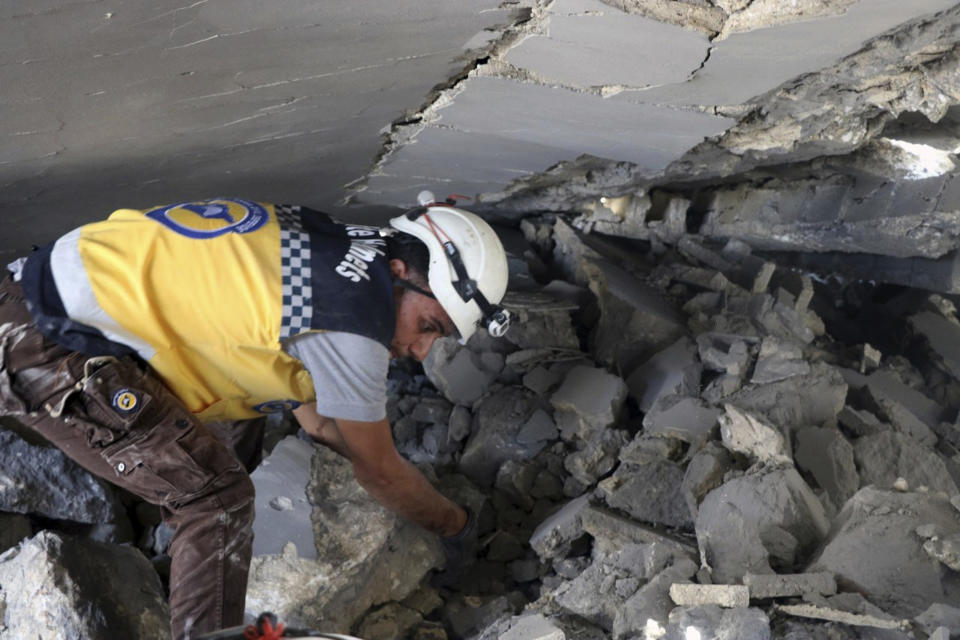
(398, 269)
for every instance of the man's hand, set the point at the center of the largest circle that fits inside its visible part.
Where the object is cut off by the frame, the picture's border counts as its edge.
(460, 550)
(383, 472)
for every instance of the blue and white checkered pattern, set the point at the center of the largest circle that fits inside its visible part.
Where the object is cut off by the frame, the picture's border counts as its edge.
(295, 268)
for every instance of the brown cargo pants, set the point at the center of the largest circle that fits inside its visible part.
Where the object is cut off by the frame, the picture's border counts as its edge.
(118, 421)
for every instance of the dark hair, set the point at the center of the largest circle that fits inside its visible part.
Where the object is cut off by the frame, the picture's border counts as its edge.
(403, 246)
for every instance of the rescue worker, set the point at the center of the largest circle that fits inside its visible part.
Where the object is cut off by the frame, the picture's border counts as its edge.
(120, 340)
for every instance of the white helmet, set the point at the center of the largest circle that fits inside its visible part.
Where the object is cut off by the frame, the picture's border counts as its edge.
(468, 266)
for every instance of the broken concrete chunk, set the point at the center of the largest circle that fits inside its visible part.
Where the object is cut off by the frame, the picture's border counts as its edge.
(494, 439)
(366, 556)
(886, 456)
(650, 491)
(736, 523)
(942, 336)
(829, 458)
(873, 544)
(726, 353)
(802, 401)
(540, 320)
(432, 411)
(946, 549)
(282, 511)
(391, 621)
(860, 422)
(705, 473)
(744, 433)
(74, 588)
(798, 285)
(905, 407)
(42, 480)
(785, 585)
(716, 623)
(778, 360)
(652, 601)
(589, 400)
(869, 359)
(552, 539)
(675, 370)
(596, 456)
(939, 615)
(470, 615)
(722, 595)
(611, 532)
(457, 372)
(460, 423)
(684, 418)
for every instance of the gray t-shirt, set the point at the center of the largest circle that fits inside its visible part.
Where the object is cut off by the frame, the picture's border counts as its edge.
(349, 373)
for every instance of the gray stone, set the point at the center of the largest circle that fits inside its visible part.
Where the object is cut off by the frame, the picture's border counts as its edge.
(770, 585)
(726, 353)
(42, 480)
(886, 456)
(499, 419)
(826, 455)
(722, 595)
(685, 418)
(589, 400)
(366, 556)
(432, 410)
(704, 473)
(516, 480)
(282, 510)
(457, 371)
(460, 423)
(553, 537)
(946, 549)
(716, 623)
(744, 433)
(860, 422)
(873, 545)
(611, 532)
(834, 615)
(801, 401)
(778, 360)
(63, 587)
(674, 370)
(13, 528)
(468, 616)
(907, 409)
(540, 321)
(739, 522)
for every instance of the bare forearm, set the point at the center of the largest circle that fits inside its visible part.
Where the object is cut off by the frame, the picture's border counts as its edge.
(409, 494)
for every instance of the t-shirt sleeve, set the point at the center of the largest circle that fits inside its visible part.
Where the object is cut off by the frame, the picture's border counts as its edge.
(349, 373)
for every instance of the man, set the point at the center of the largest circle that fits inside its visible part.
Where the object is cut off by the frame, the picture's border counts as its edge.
(122, 338)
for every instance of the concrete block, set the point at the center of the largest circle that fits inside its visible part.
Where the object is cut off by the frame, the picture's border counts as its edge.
(771, 585)
(727, 353)
(595, 456)
(541, 320)
(778, 360)
(883, 457)
(685, 418)
(744, 433)
(900, 401)
(826, 455)
(552, 538)
(538, 428)
(860, 422)
(736, 520)
(873, 544)
(612, 532)
(499, 419)
(675, 370)
(652, 601)
(590, 399)
(283, 513)
(722, 595)
(649, 490)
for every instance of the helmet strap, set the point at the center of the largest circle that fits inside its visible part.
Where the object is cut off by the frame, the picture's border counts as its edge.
(406, 284)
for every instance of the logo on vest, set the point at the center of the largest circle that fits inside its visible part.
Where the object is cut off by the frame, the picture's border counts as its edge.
(276, 406)
(365, 245)
(211, 218)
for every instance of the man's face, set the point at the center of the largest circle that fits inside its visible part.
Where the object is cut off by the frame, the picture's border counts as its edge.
(420, 318)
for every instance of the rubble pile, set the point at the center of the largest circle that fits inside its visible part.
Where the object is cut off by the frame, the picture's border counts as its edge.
(675, 440)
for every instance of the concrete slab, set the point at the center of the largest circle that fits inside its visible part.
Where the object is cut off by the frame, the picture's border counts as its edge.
(283, 512)
(748, 64)
(722, 595)
(588, 43)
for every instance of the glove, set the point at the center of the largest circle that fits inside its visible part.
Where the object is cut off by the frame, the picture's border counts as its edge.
(460, 550)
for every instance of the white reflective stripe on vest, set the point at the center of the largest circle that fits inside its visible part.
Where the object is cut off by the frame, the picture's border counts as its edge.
(79, 301)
